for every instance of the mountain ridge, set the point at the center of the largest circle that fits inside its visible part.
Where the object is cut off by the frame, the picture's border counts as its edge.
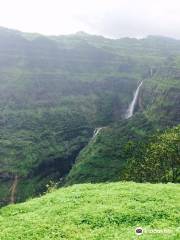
(55, 91)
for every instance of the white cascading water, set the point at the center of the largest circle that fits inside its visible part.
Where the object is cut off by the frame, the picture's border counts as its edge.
(96, 132)
(132, 105)
(129, 112)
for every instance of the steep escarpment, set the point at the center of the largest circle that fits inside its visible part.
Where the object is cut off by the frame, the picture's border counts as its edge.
(142, 148)
(105, 158)
(132, 150)
(54, 91)
(52, 96)
(160, 98)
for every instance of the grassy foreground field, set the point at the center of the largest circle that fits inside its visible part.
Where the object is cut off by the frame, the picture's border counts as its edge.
(96, 211)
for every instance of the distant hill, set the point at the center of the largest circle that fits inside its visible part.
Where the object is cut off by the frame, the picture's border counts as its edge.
(55, 90)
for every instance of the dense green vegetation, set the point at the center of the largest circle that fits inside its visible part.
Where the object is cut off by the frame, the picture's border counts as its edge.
(54, 91)
(51, 99)
(130, 150)
(105, 156)
(99, 211)
(156, 161)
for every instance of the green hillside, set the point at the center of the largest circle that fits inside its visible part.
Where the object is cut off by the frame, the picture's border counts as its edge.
(130, 150)
(54, 92)
(96, 211)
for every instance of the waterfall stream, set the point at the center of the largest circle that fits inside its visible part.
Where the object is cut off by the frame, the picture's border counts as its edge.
(129, 113)
(96, 132)
(132, 105)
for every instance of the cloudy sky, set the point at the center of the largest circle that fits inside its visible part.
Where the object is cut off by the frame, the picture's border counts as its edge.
(111, 18)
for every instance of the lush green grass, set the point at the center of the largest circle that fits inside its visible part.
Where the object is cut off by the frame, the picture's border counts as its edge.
(96, 211)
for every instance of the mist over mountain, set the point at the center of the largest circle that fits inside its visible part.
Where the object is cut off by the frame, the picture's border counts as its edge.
(56, 90)
(89, 120)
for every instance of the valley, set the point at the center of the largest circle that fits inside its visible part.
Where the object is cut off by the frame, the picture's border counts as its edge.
(57, 91)
(89, 120)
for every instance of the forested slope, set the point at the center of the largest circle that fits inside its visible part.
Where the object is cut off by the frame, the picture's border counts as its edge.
(54, 91)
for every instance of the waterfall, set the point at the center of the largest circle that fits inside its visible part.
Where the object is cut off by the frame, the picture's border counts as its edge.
(151, 72)
(96, 132)
(129, 112)
(132, 105)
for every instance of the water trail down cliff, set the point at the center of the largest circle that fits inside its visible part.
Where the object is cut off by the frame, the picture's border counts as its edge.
(96, 132)
(132, 105)
(13, 189)
(129, 112)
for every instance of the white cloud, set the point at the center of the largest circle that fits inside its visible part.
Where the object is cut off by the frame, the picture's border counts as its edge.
(112, 18)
